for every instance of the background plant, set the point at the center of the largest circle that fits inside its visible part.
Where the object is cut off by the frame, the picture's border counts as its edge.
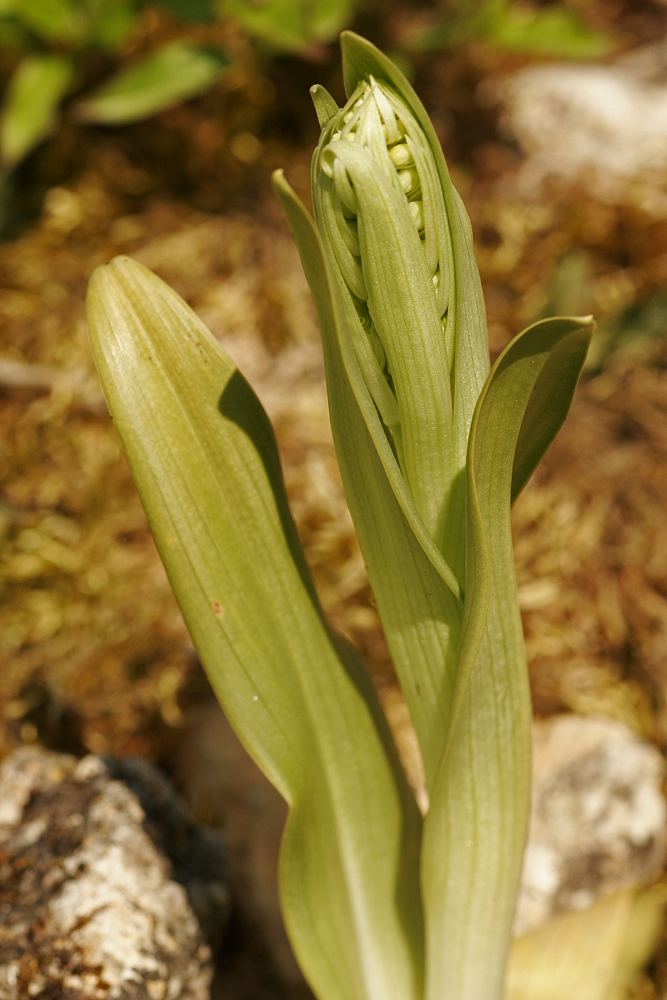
(50, 46)
(555, 30)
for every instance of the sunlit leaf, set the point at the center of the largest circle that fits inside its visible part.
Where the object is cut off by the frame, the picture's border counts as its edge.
(174, 73)
(31, 102)
(591, 954)
(204, 458)
(553, 30)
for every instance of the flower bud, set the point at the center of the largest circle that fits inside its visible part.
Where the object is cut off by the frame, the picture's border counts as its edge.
(381, 212)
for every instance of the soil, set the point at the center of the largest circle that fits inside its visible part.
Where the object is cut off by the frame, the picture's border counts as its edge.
(94, 653)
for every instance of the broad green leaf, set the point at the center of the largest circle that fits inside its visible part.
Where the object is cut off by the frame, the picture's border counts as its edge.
(31, 101)
(204, 458)
(328, 17)
(417, 596)
(174, 73)
(475, 830)
(591, 954)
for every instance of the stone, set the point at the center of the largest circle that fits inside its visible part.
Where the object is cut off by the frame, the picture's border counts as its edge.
(602, 125)
(98, 859)
(598, 817)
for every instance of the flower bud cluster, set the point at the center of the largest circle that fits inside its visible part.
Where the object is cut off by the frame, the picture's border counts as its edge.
(380, 208)
(377, 120)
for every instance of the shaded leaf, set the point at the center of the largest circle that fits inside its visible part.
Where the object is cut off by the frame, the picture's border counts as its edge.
(110, 21)
(551, 398)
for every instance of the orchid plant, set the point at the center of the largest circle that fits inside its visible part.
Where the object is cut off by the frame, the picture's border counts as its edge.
(380, 902)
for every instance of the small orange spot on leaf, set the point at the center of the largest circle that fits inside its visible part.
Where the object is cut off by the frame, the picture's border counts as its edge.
(217, 607)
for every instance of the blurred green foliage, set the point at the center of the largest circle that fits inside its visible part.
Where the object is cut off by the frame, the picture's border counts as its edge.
(556, 30)
(54, 35)
(53, 39)
(49, 43)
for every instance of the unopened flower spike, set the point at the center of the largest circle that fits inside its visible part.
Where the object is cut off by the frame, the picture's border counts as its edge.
(379, 204)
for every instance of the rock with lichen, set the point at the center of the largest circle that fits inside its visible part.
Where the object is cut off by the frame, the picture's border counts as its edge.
(91, 904)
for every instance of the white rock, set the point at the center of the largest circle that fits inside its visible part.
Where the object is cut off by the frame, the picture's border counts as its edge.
(598, 818)
(603, 125)
(92, 904)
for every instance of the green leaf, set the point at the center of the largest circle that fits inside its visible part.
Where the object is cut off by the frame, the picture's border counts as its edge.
(417, 595)
(555, 31)
(518, 27)
(325, 106)
(174, 73)
(550, 401)
(29, 112)
(13, 35)
(418, 592)
(475, 830)
(204, 458)
(592, 954)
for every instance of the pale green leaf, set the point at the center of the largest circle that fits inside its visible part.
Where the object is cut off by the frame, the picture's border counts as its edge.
(325, 106)
(416, 590)
(34, 92)
(591, 954)
(204, 458)
(172, 74)
(475, 830)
